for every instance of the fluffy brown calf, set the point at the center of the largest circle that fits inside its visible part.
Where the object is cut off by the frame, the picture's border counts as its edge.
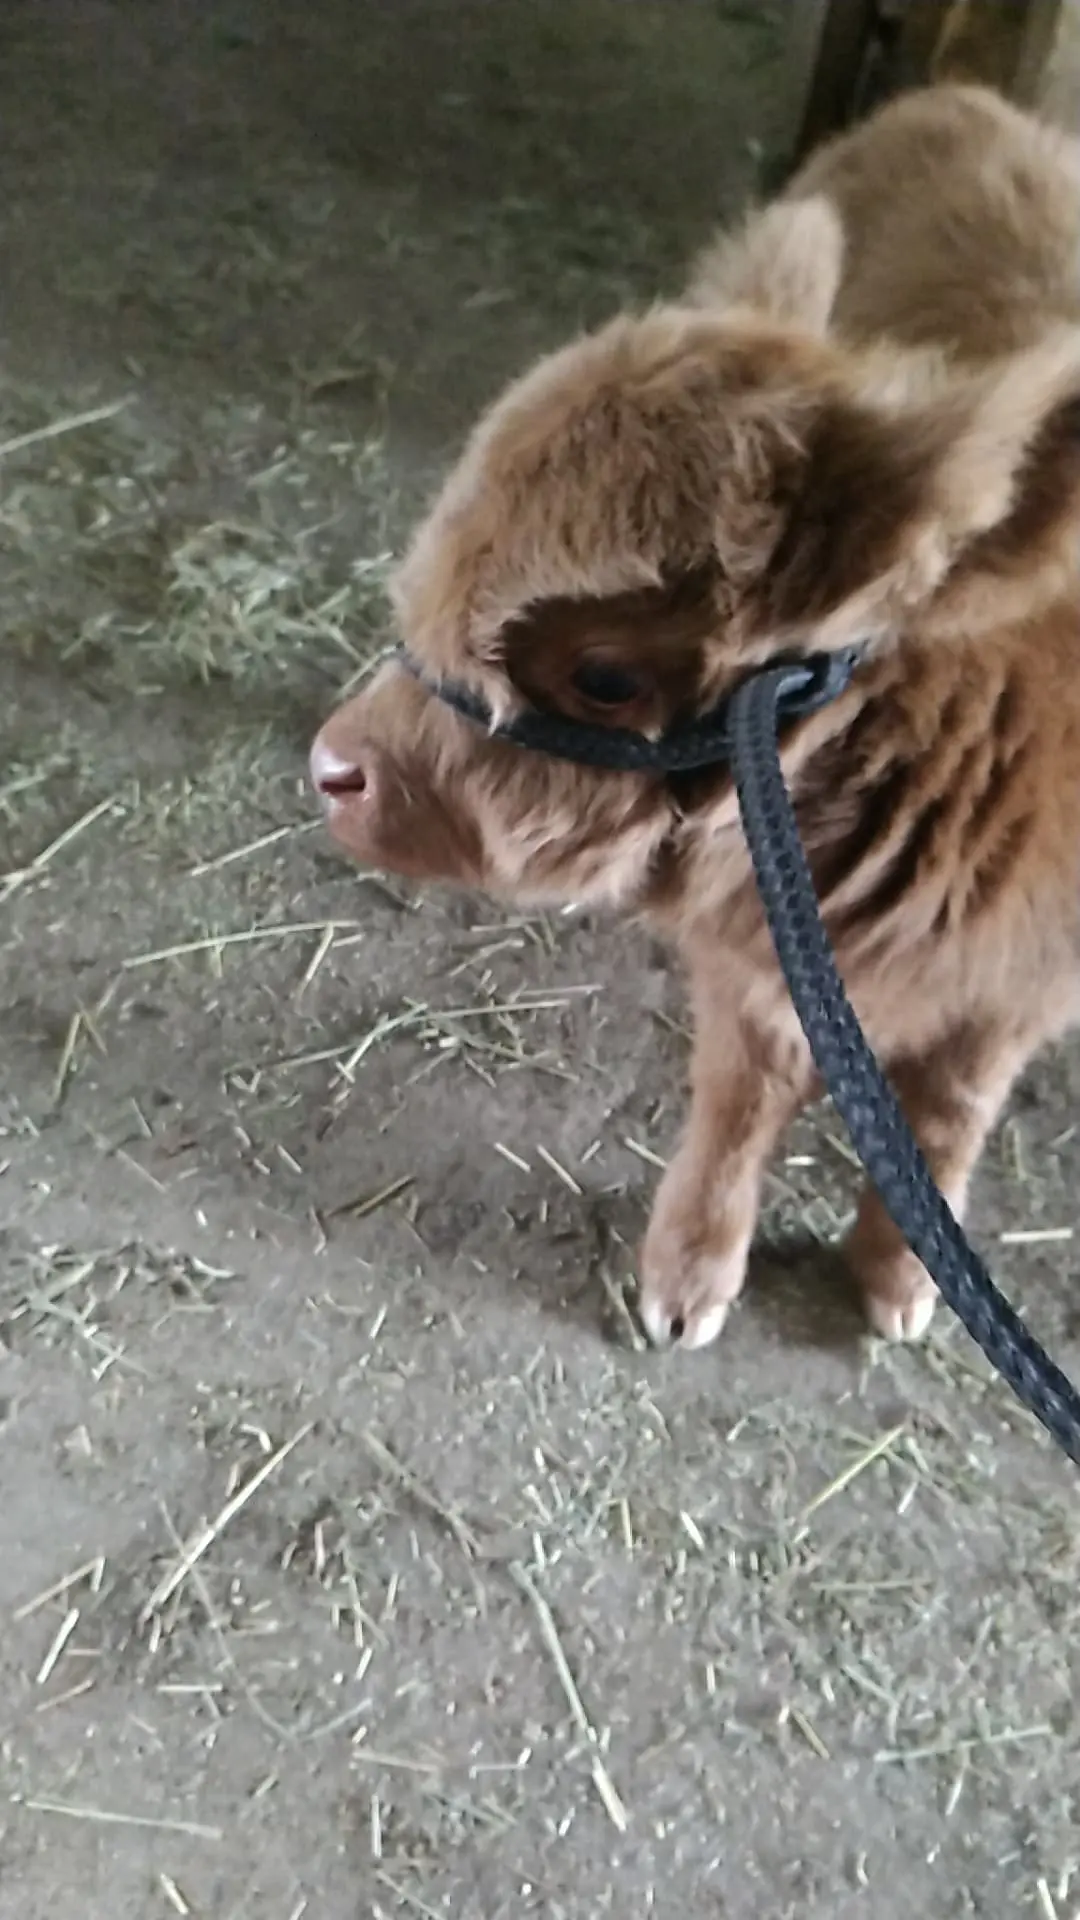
(860, 424)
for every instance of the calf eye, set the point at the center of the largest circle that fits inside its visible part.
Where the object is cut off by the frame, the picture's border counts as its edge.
(604, 684)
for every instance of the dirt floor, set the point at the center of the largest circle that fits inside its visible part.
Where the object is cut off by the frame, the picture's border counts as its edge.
(354, 1558)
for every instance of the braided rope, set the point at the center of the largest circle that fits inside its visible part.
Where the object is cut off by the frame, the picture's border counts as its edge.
(862, 1095)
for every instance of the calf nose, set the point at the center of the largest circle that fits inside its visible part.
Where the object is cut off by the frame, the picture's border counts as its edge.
(334, 774)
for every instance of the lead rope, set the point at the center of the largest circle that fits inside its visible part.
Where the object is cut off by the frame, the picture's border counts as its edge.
(866, 1103)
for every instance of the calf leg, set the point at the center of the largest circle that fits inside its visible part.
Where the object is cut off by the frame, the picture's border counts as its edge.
(951, 1097)
(747, 1084)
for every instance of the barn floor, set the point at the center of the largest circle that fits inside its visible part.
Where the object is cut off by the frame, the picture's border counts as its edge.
(338, 1502)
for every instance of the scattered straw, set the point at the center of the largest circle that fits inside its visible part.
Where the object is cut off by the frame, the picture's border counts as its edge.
(101, 1816)
(252, 846)
(561, 1173)
(512, 1159)
(947, 1749)
(371, 1202)
(9, 882)
(407, 1898)
(450, 1032)
(423, 1495)
(605, 1786)
(246, 937)
(875, 1451)
(621, 1310)
(70, 423)
(329, 935)
(1047, 1903)
(645, 1153)
(56, 1646)
(92, 1570)
(70, 1693)
(1035, 1236)
(692, 1531)
(202, 1591)
(67, 1056)
(805, 1726)
(202, 1541)
(395, 1762)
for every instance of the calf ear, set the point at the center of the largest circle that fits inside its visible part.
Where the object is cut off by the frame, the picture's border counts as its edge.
(896, 508)
(785, 263)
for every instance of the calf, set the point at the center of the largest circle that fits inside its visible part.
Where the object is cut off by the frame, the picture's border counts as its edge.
(859, 426)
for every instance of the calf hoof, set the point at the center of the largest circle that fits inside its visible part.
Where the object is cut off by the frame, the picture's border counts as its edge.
(686, 1292)
(901, 1316)
(685, 1326)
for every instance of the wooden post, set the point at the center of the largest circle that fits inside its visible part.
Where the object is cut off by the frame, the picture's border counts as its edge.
(1052, 81)
(867, 49)
(847, 38)
(1001, 43)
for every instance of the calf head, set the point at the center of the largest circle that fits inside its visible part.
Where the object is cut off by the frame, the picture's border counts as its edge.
(651, 513)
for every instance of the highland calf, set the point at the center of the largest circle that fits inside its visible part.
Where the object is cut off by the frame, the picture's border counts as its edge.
(859, 425)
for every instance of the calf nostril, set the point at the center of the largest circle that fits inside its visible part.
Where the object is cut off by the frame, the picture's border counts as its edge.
(678, 1327)
(332, 775)
(352, 781)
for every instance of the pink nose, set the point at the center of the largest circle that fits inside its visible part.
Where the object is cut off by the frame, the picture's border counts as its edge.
(335, 775)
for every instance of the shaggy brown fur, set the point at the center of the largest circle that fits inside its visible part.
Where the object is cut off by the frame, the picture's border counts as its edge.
(862, 423)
